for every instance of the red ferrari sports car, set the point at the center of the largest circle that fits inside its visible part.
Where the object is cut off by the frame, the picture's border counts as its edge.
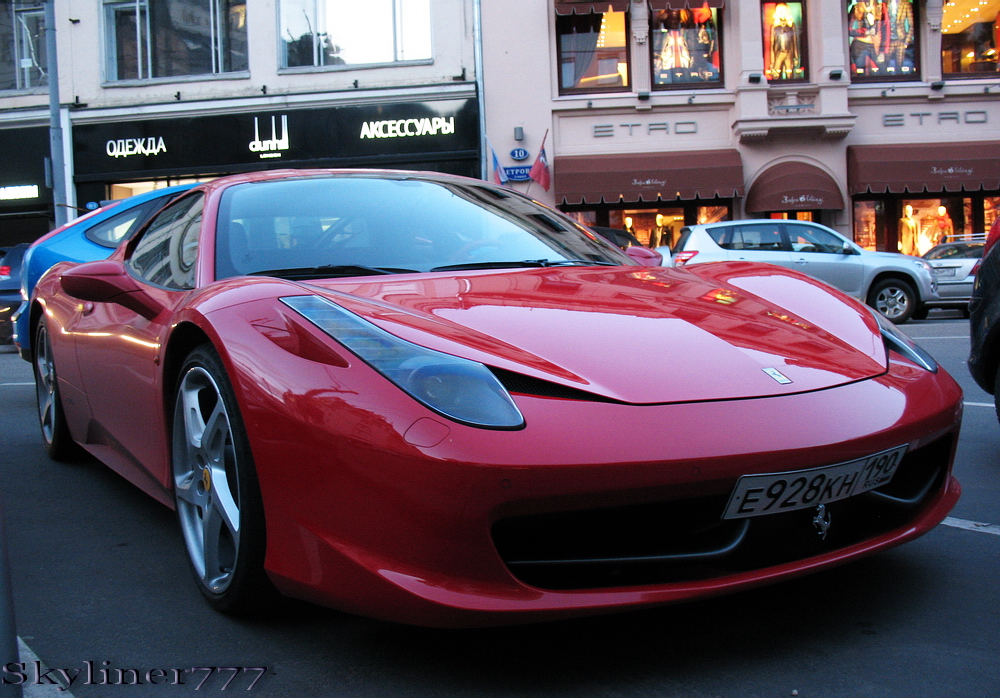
(397, 394)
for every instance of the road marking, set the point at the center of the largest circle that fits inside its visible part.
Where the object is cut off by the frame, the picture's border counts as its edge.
(920, 339)
(972, 525)
(3, 385)
(978, 404)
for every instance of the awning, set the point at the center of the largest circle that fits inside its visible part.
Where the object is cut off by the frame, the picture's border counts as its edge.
(793, 186)
(682, 4)
(923, 167)
(690, 174)
(568, 7)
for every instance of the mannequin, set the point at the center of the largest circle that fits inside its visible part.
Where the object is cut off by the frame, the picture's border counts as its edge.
(660, 235)
(945, 228)
(784, 45)
(628, 225)
(908, 231)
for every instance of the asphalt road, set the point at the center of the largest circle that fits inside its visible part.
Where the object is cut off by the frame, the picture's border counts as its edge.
(101, 586)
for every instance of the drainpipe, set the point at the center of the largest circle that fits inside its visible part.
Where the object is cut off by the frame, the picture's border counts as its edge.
(58, 167)
(477, 40)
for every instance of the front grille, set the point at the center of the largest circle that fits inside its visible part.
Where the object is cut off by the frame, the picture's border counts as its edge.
(687, 540)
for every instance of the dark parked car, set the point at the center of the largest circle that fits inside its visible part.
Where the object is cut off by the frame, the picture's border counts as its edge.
(984, 311)
(10, 289)
(616, 236)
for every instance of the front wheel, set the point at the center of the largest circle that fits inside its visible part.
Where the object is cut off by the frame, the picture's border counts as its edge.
(895, 299)
(215, 488)
(55, 432)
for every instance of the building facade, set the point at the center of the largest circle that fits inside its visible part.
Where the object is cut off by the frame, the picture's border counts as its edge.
(155, 92)
(879, 119)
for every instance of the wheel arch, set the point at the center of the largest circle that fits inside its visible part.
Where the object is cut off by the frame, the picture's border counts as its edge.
(899, 276)
(185, 337)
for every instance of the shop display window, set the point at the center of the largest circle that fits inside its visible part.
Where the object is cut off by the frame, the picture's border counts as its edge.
(882, 40)
(785, 47)
(869, 228)
(345, 32)
(159, 39)
(653, 227)
(686, 46)
(593, 52)
(22, 45)
(969, 38)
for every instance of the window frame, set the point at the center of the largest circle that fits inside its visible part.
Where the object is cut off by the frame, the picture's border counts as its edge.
(958, 47)
(220, 42)
(717, 82)
(627, 52)
(883, 48)
(319, 54)
(801, 39)
(19, 42)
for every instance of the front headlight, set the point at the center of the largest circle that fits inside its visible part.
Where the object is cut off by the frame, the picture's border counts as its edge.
(923, 265)
(896, 341)
(461, 390)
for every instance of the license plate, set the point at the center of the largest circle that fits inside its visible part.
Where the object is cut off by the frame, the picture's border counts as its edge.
(944, 271)
(757, 495)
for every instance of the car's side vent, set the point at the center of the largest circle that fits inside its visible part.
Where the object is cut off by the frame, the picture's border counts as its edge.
(526, 385)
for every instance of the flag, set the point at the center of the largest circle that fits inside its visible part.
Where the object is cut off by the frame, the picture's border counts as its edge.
(540, 169)
(499, 175)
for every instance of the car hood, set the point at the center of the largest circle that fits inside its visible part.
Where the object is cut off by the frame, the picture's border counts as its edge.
(641, 335)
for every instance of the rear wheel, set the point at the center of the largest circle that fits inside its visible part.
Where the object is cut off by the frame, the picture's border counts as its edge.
(893, 298)
(215, 487)
(55, 432)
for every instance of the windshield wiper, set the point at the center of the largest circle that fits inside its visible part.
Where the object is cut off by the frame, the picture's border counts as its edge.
(524, 263)
(328, 271)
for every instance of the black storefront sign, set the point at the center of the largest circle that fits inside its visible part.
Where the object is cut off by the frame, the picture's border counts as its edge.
(22, 169)
(409, 135)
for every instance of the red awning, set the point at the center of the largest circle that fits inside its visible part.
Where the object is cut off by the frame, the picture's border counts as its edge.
(568, 7)
(923, 167)
(793, 186)
(681, 4)
(697, 174)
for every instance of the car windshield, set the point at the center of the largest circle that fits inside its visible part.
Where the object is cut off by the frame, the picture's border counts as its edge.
(352, 225)
(956, 251)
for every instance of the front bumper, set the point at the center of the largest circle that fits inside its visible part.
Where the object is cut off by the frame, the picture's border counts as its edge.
(442, 534)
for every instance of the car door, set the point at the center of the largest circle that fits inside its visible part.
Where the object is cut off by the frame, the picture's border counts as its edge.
(119, 350)
(820, 254)
(755, 242)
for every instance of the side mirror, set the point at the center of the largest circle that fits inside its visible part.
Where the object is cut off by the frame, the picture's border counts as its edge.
(645, 257)
(107, 281)
(848, 249)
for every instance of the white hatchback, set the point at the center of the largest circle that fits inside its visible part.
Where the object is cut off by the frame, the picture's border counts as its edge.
(897, 285)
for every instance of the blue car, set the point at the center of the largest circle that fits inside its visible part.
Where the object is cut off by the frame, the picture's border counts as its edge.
(88, 238)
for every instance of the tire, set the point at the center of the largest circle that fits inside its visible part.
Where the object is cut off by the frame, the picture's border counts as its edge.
(893, 298)
(51, 418)
(216, 490)
(920, 313)
(996, 394)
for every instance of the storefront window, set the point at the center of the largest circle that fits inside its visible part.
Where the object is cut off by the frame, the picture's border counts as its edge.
(969, 38)
(22, 45)
(882, 40)
(171, 38)
(593, 52)
(869, 228)
(346, 32)
(686, 48)
(784, 41)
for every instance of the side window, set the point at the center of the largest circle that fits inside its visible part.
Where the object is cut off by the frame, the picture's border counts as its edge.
(593, 52)
(167, 252)
(808, 239)
(115, 229)
(758, 236)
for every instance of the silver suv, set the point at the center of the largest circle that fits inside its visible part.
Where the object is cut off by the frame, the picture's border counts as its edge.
(897, 285)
